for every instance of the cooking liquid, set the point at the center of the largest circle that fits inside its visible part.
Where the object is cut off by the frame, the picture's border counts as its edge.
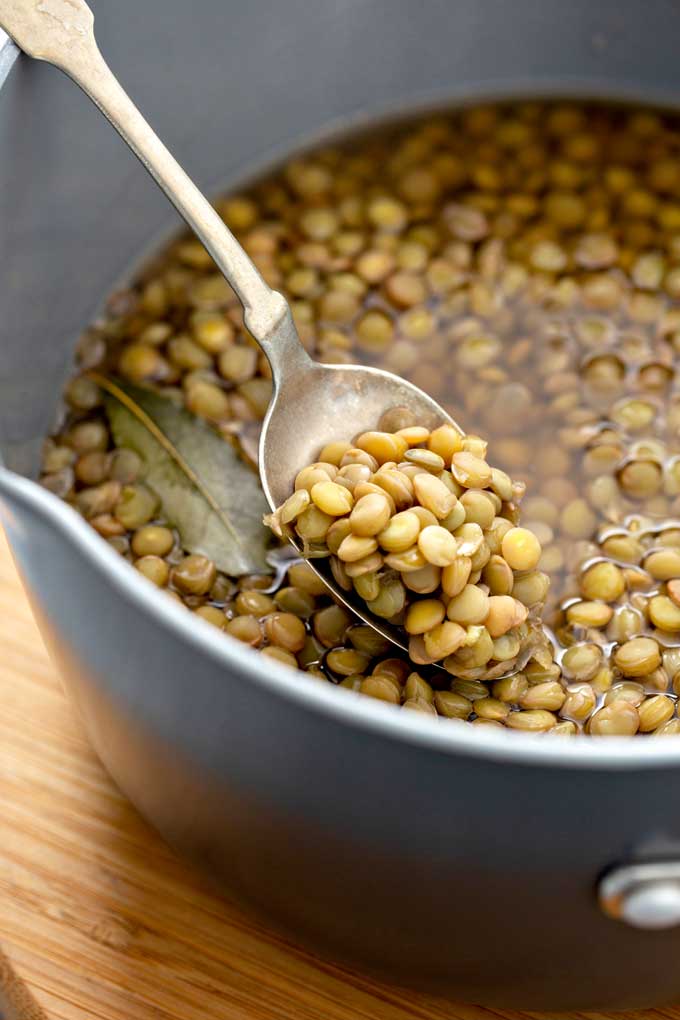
(520, 263)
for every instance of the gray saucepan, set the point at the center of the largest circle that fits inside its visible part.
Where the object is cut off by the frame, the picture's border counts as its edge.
(495, 867)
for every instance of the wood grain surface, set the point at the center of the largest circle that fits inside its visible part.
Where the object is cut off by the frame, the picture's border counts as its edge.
(100, 921)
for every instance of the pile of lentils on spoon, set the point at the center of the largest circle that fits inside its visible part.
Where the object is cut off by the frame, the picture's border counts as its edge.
(424, 531)
(520, 263)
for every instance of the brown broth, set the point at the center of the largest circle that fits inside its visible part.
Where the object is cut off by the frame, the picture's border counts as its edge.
(521, 263)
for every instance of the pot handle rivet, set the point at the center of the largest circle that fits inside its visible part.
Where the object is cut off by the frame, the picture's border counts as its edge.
(645, 896)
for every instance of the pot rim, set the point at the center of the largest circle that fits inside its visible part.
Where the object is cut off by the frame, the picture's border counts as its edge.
(344, 706)
(348, 707)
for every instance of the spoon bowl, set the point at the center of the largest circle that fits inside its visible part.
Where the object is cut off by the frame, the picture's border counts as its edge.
(314, 404)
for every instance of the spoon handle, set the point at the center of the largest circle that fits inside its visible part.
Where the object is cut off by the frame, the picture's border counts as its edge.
(61, 32)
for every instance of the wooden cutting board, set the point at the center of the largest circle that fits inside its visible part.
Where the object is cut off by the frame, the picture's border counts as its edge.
(98, 918)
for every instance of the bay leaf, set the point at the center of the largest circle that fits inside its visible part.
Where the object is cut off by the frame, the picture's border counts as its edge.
(206, 491)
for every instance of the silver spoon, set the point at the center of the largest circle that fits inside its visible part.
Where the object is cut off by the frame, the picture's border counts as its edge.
(312, 404)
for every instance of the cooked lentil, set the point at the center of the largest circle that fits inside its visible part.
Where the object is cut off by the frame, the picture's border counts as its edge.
(539, 304)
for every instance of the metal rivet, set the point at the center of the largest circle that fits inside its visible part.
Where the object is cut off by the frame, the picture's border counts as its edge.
(644, 896)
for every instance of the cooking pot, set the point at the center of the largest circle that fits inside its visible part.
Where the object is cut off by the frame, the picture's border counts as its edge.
(492, 866)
